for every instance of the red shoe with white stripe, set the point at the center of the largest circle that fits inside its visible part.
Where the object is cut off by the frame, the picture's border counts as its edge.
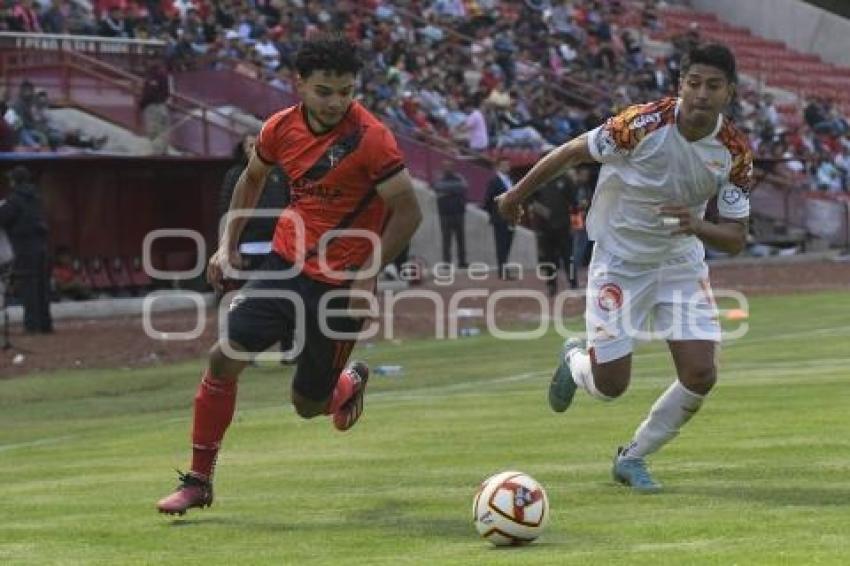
(350, 412)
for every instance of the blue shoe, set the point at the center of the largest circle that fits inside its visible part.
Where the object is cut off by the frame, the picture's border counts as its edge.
(563, 388)
(633, 473)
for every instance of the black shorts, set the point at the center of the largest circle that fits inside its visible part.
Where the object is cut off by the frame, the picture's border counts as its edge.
(256, 323)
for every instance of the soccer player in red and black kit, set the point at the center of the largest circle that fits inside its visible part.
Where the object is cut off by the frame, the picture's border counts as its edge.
(345, 172)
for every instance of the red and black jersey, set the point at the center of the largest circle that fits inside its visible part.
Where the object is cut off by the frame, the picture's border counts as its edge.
(332, 178)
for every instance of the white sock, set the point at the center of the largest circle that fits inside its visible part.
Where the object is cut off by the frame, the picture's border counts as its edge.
(673, 409)
(582, 372)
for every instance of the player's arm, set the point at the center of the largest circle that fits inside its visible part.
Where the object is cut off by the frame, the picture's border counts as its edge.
(571, 154)
(404, 218)
(404, 215)
(246, 194)
(727, 235)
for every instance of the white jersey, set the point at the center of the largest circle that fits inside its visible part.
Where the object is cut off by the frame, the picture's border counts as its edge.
(646, 163)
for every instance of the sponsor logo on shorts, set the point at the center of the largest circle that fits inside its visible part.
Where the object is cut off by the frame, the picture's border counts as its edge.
(237, 300)
(610, 297)
(600, 333)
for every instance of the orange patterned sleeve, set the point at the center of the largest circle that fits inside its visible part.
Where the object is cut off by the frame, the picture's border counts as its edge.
(621, 134)
(734, 196)
(741, 173)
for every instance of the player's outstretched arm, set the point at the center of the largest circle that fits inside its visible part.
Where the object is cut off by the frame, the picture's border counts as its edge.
(404, 218)
(404, 215)
(727, 235)
(246, 194)
(571, 154)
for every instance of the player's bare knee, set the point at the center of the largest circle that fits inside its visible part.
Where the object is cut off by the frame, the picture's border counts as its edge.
(700, 380)
(612, 388)
(223, 367)
(612, 378)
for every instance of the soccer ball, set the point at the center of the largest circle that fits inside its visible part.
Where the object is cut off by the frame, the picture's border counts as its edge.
(510, 508)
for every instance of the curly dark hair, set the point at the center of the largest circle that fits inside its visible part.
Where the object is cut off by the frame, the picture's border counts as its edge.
(328, 52)
(714, 55)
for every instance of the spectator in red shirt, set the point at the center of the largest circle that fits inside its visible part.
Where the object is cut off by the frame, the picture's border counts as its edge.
(25, 17)
(67, 282)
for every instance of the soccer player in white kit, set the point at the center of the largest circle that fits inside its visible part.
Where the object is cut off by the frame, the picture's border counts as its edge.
(661, 164)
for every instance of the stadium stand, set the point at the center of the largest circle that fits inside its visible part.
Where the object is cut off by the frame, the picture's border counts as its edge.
(101, 283)
(140, 280)
(120, 276)
(540, 72)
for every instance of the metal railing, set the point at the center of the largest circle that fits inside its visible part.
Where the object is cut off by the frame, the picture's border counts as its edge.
(128, 54)
(111, 93)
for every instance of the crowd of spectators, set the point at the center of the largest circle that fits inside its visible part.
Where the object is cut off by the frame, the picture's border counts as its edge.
(814, 151)
(466, 74)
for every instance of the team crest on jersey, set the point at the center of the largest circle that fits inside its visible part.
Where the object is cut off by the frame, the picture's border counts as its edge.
(605, 144)
(610, 297)
(335, 154)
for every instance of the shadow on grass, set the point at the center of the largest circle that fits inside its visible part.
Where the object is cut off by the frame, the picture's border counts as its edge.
(399, 515)
(393, 515)
(774, 496)
(264, 525)
(396, 516)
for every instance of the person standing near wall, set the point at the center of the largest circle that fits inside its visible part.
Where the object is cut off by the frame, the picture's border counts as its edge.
(550, 208)
(451, 190)
(154, 109)
(503, 232)
(22, 216)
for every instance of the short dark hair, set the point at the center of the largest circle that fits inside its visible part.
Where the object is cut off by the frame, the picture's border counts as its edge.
(328, 52)
(714, 55)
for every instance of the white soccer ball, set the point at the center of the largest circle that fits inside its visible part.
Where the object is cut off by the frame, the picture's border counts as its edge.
(510, 508)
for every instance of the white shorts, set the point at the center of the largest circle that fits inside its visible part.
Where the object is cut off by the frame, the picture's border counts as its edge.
(628, 301)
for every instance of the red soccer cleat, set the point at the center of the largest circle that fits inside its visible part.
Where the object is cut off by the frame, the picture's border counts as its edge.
(350, 412)
(192, 492)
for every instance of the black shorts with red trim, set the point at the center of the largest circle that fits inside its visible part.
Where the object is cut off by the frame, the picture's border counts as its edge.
(256, 322)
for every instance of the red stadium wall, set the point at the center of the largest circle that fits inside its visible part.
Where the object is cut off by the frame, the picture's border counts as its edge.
(104, 206)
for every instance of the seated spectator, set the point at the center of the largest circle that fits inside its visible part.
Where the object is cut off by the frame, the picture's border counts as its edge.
(55, 18)
(53, 134)
(282, 80)
(828, 176)
(23, 120)
(41, 121)
(474, 128)
(8, 136)
(25, 17)
(266, 49)
(79, 19)
(114, 24)
(66, 281)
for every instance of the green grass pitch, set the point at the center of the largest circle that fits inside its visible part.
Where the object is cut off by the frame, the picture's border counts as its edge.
(761, 476)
